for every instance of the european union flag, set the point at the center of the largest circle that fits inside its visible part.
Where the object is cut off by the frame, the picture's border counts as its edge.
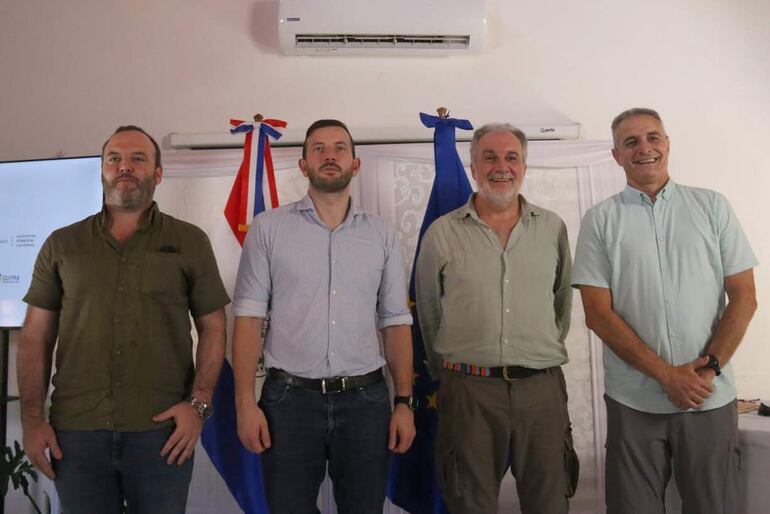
(413, 485)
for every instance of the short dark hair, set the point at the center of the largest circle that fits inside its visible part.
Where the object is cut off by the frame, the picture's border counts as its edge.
(322, 124)
(134, 128)
(630, 113)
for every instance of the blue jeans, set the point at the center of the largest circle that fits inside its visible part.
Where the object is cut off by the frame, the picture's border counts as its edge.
(100, 469)
(348, 429)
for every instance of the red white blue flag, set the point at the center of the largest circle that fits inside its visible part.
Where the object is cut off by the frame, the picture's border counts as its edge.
(256, 176)
(241, 469)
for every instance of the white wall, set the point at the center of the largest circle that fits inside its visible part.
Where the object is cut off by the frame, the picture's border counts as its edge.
(72, 71)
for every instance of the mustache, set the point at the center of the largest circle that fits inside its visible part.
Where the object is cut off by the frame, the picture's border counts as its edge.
(127, 176)
(331, 165)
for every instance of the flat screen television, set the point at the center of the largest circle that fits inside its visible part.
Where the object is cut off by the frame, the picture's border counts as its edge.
(37, 197)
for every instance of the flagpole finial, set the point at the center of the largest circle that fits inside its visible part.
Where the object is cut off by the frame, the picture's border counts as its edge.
(443, 112)
(258, 117)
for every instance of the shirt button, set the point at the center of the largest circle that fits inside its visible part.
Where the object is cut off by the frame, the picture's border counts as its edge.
(507, 310)
(334, 322)
(334, 291)
(123, 259)
(119, 352)
(505, 341)
(121, 288)
(117, 384)
(116, 320)
(506, 280)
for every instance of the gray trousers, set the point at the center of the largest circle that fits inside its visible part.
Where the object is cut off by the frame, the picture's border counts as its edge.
(700, 447)
(487, 424)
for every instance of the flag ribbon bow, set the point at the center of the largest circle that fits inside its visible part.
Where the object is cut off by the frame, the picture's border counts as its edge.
(247, 197)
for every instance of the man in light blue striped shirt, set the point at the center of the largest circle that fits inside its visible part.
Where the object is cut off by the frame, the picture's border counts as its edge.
(329, 277)
(653, 264)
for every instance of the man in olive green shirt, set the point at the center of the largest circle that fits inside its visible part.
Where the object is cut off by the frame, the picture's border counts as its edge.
(493, 298)
(114, 294)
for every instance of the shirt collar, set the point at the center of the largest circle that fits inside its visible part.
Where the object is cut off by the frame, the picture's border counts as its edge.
(306, 204)
(631, 194)
(146, 222)
(528, 210)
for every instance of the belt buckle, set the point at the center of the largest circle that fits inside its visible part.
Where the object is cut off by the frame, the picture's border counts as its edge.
(342, 380)
(506, 377)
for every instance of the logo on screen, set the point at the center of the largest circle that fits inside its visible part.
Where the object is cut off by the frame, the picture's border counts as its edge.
(9, 279)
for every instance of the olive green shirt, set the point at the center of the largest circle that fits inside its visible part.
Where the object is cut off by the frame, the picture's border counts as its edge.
(484, 305)
(124, 350)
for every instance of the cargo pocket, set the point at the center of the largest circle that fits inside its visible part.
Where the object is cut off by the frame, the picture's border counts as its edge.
(447, 473)
(571, 464)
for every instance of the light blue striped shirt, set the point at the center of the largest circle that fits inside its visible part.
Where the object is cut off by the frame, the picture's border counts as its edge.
(327, 292)
(665, 263)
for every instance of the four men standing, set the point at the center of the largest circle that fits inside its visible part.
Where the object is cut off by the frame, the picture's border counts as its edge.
(653, 265)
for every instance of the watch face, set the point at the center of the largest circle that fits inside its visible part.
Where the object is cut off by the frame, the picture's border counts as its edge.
(206, 412)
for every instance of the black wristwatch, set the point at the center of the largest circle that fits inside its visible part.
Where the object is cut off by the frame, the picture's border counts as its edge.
(409, 401)
(713, 363)
(202, 408)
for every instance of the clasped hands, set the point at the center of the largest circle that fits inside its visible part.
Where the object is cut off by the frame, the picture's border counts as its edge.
(689, 385)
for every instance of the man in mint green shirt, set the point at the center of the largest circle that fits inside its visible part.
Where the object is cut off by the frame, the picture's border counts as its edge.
(653, 264)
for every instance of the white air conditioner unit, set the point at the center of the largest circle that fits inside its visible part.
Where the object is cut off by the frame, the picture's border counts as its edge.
(381, 27)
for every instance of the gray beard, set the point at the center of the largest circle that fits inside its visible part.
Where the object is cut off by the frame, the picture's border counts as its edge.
(499, 200)
(137, 197)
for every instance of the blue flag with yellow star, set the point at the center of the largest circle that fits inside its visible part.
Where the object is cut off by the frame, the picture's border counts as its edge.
(413, 484)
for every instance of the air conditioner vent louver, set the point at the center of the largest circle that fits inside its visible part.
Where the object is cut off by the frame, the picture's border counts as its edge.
(380, 28)
(383, 41)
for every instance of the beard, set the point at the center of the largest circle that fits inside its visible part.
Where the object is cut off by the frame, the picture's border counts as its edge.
(119, 196)
(330, 184)
(499, 199)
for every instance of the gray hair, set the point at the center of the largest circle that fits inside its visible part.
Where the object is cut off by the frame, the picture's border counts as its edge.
(630, 113)
(499, 127)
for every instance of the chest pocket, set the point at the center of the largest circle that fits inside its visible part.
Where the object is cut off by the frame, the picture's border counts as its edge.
(164, 277)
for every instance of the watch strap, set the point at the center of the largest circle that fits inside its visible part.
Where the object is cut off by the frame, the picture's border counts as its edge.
(713, 363)
(409, 401)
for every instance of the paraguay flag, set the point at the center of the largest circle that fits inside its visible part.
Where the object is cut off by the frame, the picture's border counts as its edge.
(241, 469)
(413, 484)
(247, 197)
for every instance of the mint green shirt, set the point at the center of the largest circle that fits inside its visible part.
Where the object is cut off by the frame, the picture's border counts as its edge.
(665, 263)
(479, 303)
